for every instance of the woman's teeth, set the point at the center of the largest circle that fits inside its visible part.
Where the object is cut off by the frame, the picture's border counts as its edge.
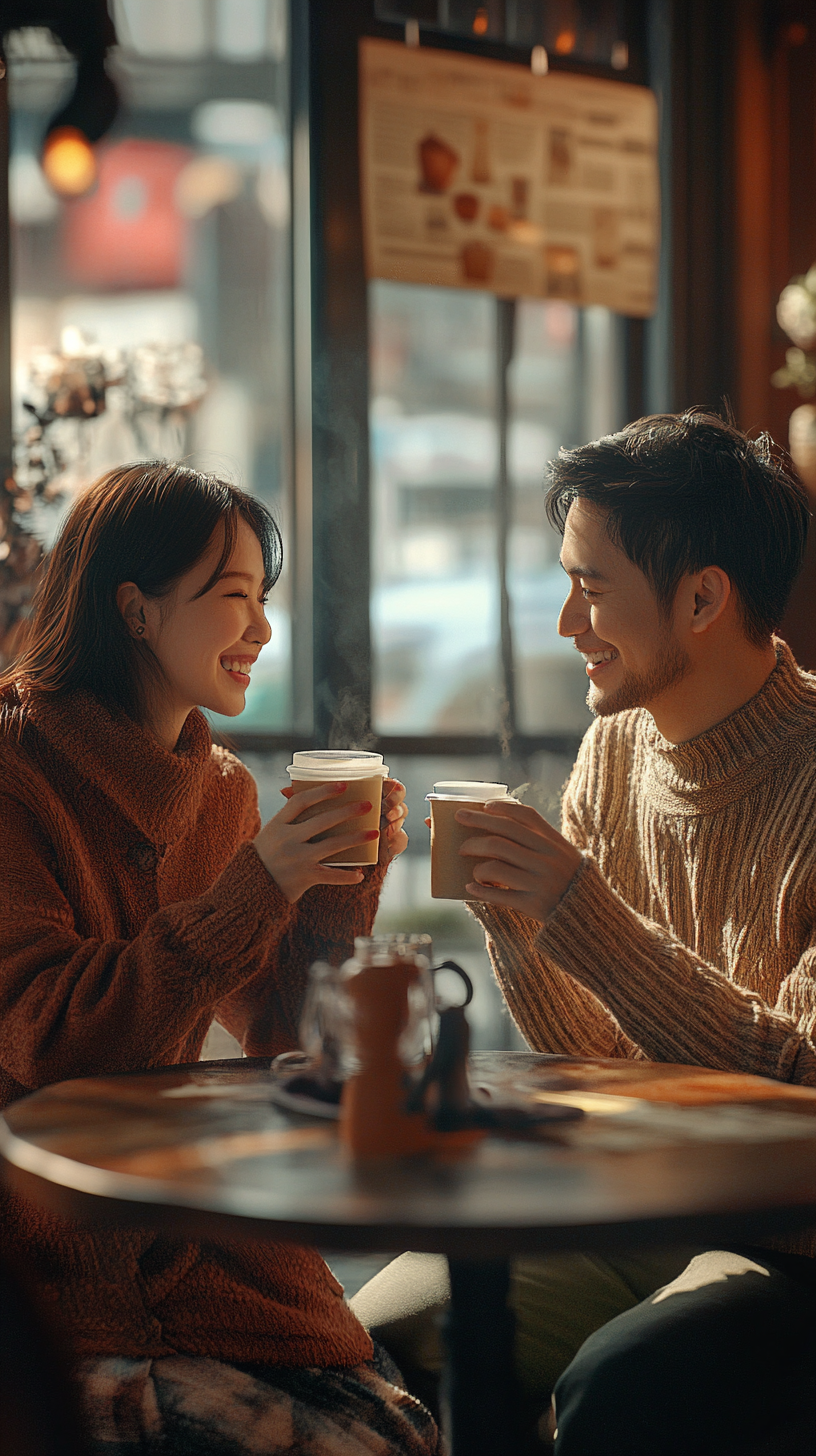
(593, 658)
(234, 664)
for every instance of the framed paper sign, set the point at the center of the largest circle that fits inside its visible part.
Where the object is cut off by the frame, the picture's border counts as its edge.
(478, 174)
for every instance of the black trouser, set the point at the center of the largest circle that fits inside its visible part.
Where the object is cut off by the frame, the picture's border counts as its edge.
(721, 1362)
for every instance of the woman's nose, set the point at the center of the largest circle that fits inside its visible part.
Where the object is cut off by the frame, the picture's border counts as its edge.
(260, 631)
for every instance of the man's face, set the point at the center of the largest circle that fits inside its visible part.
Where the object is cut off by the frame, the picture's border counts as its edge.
(631, 651)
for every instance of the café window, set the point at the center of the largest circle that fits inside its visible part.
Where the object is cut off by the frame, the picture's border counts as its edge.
(169, 282)
(165, 285)
(439, 554)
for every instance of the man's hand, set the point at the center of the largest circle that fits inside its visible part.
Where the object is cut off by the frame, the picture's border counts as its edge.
(523, 864)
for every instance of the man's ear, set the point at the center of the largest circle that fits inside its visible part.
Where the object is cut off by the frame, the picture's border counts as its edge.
(131, 604)
(712, 593)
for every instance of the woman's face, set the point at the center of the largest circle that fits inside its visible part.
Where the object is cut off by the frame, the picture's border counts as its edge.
(207, 645)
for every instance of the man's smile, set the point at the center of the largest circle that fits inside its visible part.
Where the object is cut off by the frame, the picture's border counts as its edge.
(597, 660)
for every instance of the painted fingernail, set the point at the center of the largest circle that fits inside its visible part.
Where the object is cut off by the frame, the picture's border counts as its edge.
(372, 834)
(340, 788)
(365, 806)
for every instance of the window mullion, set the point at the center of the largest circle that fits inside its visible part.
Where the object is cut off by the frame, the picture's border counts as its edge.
(505, 344)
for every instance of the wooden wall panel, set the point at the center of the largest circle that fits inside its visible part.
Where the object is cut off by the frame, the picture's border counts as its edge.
(753, 168)
(789, 60)
(774, 229)
(5, 287)
(701, 205)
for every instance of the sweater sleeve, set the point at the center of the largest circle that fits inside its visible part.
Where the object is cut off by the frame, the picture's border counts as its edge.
(553, 1011)
(263, 1013)
(677, 1006)
(72, 1006)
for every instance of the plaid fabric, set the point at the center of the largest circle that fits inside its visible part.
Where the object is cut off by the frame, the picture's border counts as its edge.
(185, 1405)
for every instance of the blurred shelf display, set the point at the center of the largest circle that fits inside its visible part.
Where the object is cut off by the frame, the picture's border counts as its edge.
(583, 30)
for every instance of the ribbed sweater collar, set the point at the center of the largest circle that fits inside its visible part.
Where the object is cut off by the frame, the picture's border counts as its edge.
(158, 791)
(723, 764)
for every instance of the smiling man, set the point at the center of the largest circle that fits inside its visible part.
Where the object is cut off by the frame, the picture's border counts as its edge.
(673, 918)
(684, 879)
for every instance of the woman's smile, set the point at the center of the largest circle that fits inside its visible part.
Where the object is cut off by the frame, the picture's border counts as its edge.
(238, 668)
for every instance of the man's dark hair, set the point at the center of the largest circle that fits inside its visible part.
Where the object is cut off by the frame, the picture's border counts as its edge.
(682, 492)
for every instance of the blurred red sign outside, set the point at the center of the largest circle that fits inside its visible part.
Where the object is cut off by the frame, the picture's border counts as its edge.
(129, 233)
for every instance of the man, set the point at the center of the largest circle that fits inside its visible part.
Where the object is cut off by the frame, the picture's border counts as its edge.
(674, 918)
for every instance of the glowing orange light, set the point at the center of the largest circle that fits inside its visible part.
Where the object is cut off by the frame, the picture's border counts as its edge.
(480, 21)
(68, 162)
(565, 42)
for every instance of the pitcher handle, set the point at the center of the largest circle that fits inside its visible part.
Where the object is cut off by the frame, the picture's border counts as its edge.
(454, 966)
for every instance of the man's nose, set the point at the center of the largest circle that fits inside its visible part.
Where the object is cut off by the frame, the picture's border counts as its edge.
(574, 618)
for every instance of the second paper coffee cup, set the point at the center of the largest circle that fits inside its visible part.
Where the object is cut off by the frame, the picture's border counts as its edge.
(450, 871)
(364, 774)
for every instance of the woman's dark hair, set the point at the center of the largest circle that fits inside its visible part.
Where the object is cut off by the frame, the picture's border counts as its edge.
(682, 492)
(147, 523)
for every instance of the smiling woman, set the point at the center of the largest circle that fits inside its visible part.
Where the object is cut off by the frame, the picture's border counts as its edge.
(158, 571)
(140, 898)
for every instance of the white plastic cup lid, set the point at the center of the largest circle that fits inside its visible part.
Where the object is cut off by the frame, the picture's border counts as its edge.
(325, 764)
(468, 789)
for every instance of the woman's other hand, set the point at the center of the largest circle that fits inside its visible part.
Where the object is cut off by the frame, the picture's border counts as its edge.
(393, 839)
(287, 850)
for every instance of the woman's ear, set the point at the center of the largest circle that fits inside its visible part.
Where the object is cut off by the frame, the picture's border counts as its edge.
(711, 597)
(131, 604)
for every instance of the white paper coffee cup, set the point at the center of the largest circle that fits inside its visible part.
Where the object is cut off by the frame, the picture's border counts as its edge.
(364, 774)
(450, 871)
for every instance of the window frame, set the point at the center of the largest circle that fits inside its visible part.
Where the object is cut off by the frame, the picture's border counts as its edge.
(329, 497)
(324, 40)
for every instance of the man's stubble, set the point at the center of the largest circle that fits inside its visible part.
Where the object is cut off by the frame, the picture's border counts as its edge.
(668, 667)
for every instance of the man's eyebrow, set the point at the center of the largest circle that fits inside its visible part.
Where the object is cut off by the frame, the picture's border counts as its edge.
(590, 572)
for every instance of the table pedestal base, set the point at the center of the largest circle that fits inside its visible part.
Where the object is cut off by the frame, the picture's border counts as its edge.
(483, 1395)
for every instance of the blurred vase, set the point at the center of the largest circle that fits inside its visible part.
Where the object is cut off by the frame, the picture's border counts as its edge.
(802, 438)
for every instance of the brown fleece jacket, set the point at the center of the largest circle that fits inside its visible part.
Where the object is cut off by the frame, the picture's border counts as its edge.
(133, 911)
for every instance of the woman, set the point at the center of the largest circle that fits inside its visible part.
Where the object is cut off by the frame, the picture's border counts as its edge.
(140, 898)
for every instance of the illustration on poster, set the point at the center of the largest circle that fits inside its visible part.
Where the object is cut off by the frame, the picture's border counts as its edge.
(479, 175)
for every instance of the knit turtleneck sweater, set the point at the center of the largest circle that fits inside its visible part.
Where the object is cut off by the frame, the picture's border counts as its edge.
(134, 910)
(689, 932)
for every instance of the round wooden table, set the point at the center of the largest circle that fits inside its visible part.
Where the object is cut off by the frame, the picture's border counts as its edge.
(663, 1153)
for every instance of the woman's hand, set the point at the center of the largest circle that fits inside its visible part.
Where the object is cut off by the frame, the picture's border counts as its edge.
(524, 864)
(393, 839)
(286, 849)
